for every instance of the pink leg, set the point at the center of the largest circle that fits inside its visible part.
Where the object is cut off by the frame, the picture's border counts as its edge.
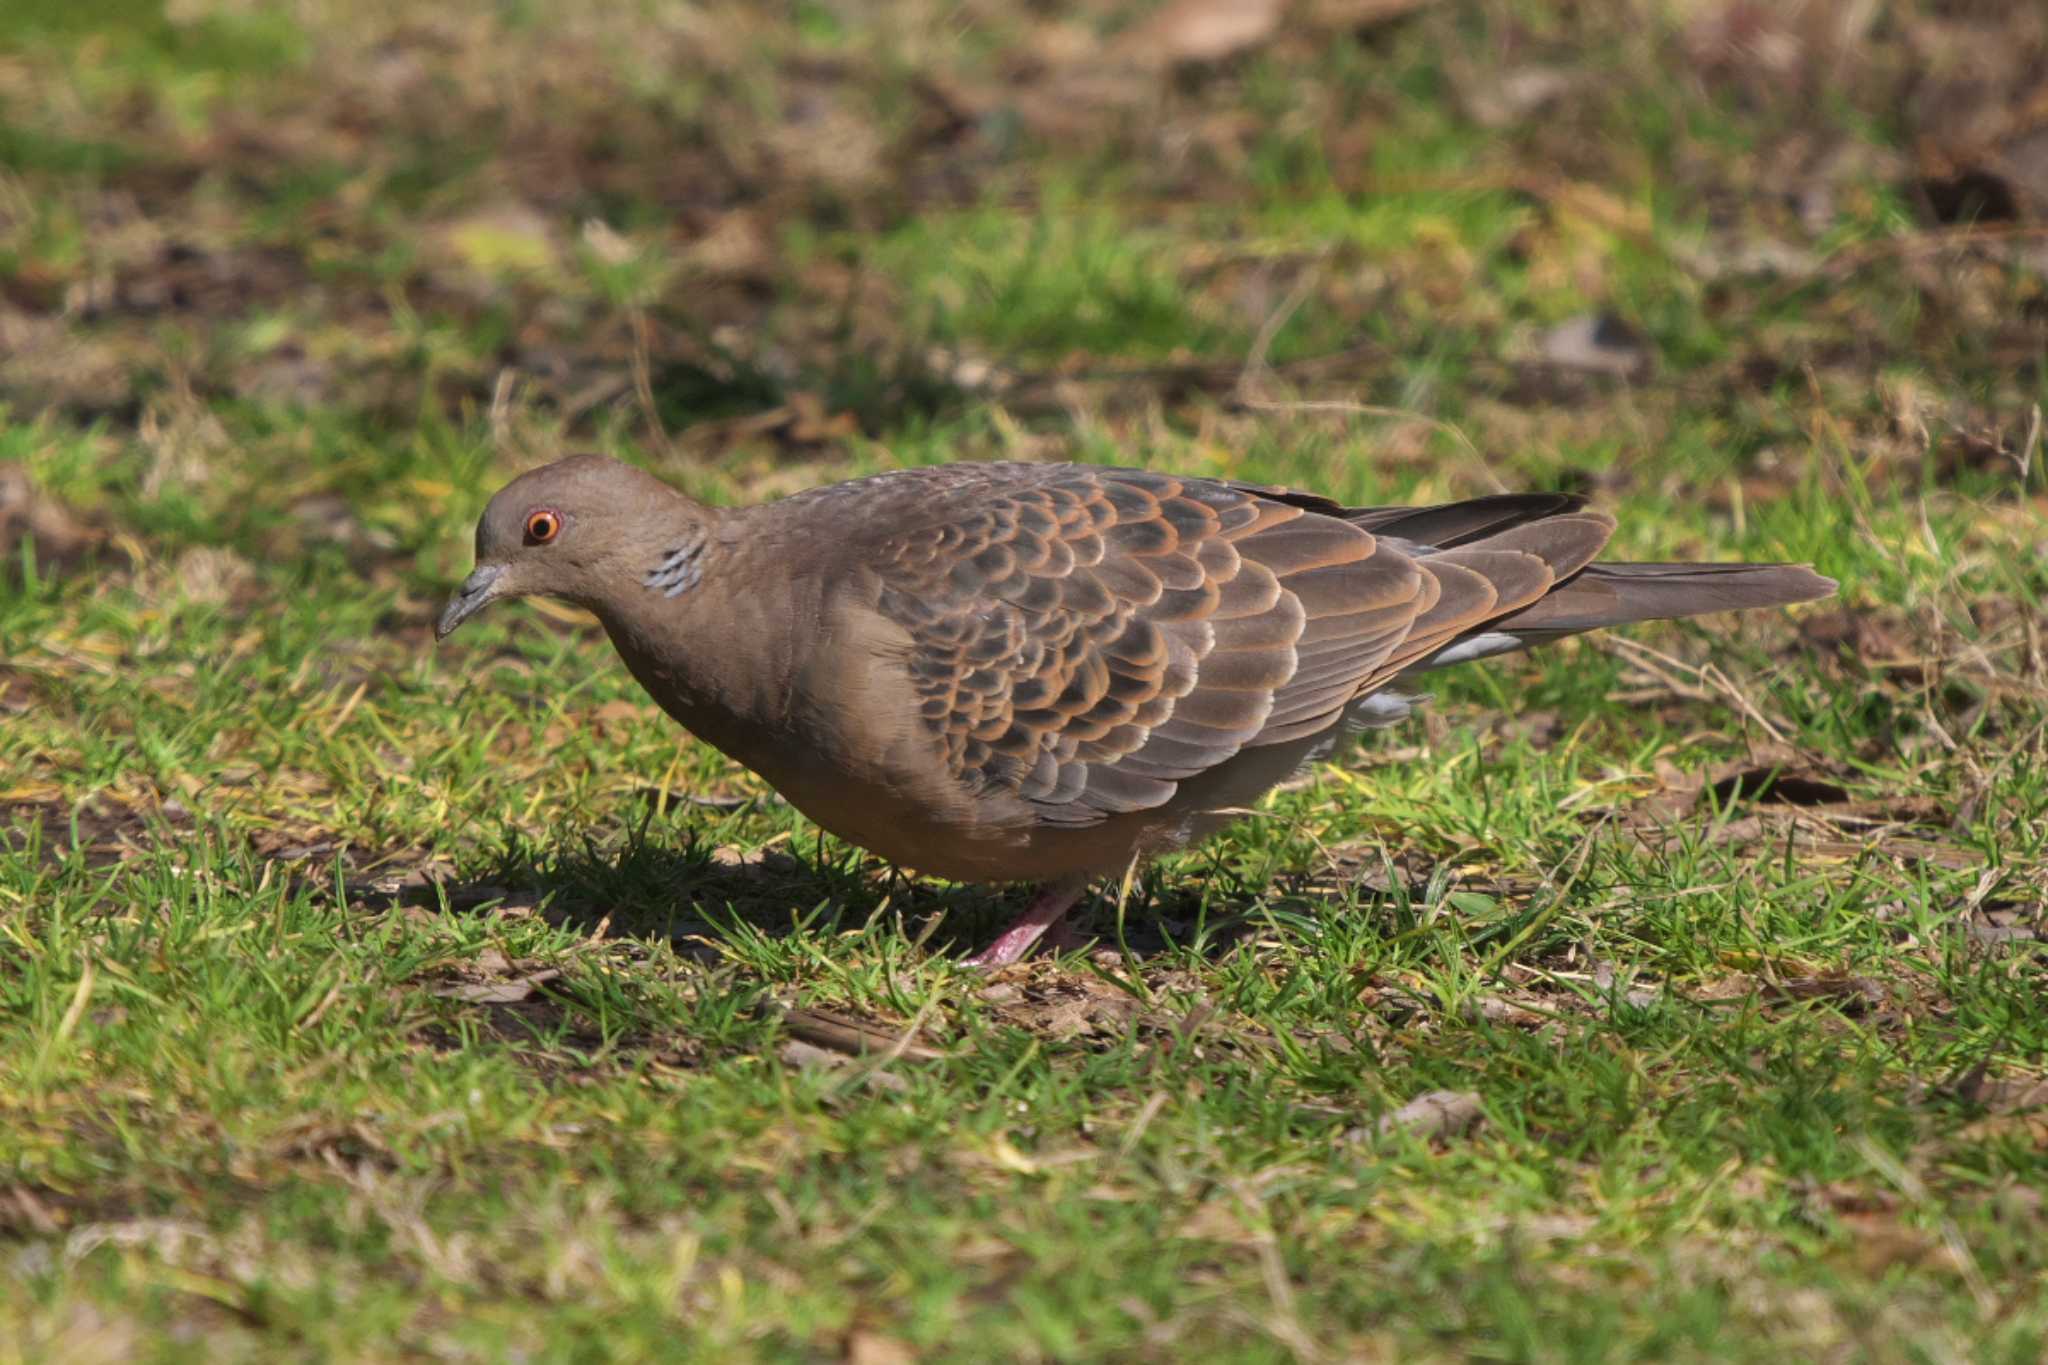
(1044, 914)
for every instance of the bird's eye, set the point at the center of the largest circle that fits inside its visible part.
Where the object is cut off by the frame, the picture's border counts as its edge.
(543, 524)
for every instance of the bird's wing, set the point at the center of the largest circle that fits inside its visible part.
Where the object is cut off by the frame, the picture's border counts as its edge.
(1087, 639)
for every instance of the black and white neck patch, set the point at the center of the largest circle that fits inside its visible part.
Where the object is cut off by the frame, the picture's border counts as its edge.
(679, 570)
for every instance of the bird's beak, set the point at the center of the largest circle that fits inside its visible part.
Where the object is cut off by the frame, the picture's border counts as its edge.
(477, 592)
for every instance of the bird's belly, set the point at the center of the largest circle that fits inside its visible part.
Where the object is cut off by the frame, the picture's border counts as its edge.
(1003, 841)
(955, 839)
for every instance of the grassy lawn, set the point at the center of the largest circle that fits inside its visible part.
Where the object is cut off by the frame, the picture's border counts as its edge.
(1682, 995)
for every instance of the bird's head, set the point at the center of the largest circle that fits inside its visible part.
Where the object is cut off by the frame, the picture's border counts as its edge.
(582, 529)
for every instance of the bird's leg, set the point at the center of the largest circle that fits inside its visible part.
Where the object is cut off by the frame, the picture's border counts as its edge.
(1048, 907)
(1063, 938)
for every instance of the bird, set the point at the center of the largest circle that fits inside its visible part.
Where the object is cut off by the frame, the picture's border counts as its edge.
(1043, 673)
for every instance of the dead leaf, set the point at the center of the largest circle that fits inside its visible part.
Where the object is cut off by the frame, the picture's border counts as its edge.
(868, 1348)
(18, 694)
(212, 575)
(606, 244)
(736, 247)
(1853, 994)
(1064, 1007)
(498, 992)
(2004, 1094)
(1201, 32)
(1595, 344)
(62, 540)
(806, 1057)
(811, 424)
(617, 718)
(28, 1211)
(1879, 1242)
(1516, 95)
(823, 138)
(2004, 928)
(1495, 1010)
(1427, 1117)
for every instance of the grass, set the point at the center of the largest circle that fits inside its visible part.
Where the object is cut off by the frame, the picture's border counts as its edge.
(364, 1000)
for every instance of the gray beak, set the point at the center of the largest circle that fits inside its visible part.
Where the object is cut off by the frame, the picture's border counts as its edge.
(477, 592)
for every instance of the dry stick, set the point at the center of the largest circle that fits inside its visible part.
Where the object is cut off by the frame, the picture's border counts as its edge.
(1894, 1171)
(502, 390)
(1123, 898)
(894, 1052)
(1255, 366)
(822, 1030)
(785, 1213)
(1988, 881)
(1499, 959)
(1284, 1324)
(1136, 1132)
(643, 383)
(2025, 459)
(1937, 675)
(1843, 264)
(1640, 654)
(1928, 242)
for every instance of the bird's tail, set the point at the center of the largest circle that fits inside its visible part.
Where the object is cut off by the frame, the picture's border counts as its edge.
(1610, 594)
(1616, 594)
(1535, 552)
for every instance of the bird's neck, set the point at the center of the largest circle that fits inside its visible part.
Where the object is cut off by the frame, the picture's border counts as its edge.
(719, 640)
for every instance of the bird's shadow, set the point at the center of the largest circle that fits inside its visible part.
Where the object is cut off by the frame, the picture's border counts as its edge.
(698, 897)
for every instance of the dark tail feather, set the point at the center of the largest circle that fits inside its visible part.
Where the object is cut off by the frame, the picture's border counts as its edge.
(1451, 524)
(1443, 526)
(1619, 594)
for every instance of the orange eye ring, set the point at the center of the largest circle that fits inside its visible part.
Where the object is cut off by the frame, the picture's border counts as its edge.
(543, 524)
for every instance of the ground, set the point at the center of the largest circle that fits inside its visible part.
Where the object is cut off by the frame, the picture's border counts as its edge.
(1678, 994)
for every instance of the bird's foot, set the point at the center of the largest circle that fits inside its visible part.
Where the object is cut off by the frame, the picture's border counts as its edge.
(1042, 919)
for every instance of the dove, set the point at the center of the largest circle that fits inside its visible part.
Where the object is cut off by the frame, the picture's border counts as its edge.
(1020, 672)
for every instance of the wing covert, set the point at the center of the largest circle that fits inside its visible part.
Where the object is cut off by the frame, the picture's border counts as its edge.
(1087, 639)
